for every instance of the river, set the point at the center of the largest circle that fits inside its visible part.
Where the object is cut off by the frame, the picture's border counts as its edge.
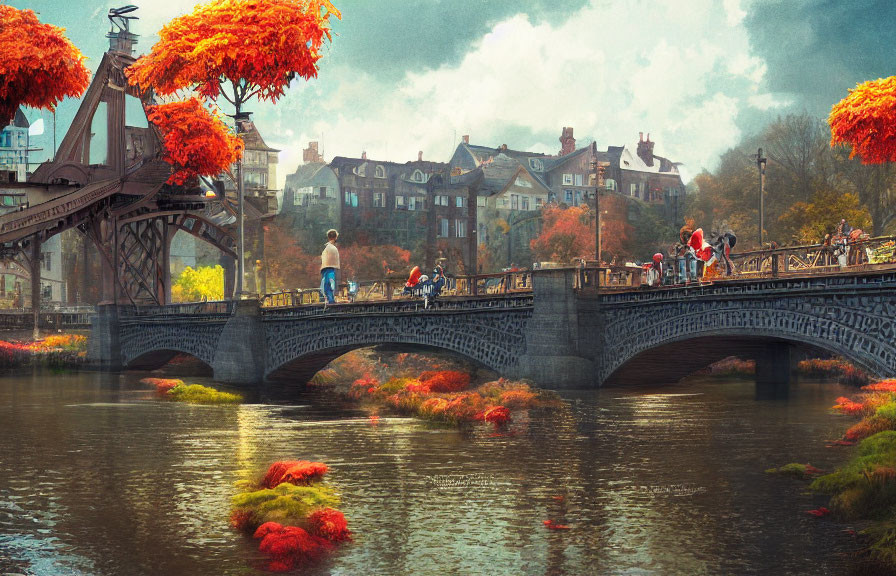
(98, 477)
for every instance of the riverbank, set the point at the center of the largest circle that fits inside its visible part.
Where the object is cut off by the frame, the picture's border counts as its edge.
(55, 350)
(863, 490)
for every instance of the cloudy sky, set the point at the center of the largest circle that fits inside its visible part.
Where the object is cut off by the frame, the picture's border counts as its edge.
(408, 75)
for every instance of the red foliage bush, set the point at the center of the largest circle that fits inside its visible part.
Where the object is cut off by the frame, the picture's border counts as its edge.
(549, 524)
(819, 512)
(297, 472)
(448, 381)
(495, 415)
(288, 546)
(329, 524)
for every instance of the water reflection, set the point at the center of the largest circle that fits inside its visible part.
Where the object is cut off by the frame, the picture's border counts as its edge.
(98, 477)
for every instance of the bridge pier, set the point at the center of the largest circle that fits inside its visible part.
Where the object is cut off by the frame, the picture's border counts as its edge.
(552, 357)
(104, 344)
(775, 369)
(241, 352)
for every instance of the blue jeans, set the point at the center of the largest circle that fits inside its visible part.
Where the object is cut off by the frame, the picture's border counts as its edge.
(328, 284)
(687, 268)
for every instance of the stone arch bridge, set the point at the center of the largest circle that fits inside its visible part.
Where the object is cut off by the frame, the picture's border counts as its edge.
(558, 335)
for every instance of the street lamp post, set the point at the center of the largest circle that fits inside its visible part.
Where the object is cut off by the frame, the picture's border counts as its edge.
(761, 162)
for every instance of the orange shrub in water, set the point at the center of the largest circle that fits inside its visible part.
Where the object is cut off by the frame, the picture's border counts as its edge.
(329, 524)
(847, 406)
(882, 386)
(865, 428)
(434, 407)
(515, 399)
(297, 472)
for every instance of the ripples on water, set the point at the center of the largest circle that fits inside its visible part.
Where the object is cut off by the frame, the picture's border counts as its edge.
(99, 478)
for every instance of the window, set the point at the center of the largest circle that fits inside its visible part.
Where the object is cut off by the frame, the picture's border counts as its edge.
(351, 198)
(331, 192)
(48, 259)
(480, 201)
(460, 226)
(567, 179)
(361, 170)
(522, 183)
(579, 180)
(380, 172)
(441, 200)
(47, 291)
(443, 228)
(536, 164)
(459, 201)
(415, 203)
(399, 202)
(633, 190)
(525, 203)
(567, 196)
(610, 184)
(379, 200)
(514, 202)
(578, 197)
(539, 203)
(418, 176)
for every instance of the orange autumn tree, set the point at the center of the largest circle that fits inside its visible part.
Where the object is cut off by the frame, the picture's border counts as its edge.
(39, 66)
(196, 141)
(866, 119)
(237, 49)
(567, 233)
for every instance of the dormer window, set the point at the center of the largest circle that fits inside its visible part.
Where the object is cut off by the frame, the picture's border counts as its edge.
(536, 164)
(380, 172)
(418, 176)
(361, 170)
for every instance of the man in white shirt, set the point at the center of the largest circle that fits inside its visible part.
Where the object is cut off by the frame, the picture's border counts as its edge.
(329, 264)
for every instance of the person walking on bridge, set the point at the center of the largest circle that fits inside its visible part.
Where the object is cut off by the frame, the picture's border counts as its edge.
(329, 264)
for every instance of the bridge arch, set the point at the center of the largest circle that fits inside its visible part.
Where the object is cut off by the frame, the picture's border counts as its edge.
(145, 342)
(493, 338)
(832, 323)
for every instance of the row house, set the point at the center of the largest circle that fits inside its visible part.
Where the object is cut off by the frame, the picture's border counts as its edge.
(641, 175)
(14, 168)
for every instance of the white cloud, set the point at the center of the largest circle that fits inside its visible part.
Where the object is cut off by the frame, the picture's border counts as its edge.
(610, 70)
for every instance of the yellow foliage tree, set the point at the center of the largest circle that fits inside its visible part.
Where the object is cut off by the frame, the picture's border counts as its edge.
(203, 283)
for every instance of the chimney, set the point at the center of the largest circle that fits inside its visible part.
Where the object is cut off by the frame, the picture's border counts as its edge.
(364, 155)
(567, 142)
(645, 149)
(420, 156)
(503, 147)
(311, 153)
(466, 138)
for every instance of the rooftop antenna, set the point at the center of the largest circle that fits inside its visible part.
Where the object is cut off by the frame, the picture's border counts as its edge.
(122, 40)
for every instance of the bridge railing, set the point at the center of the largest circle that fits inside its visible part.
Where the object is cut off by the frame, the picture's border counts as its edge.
(214, 308)
(386, 290)
(809, 259)
(815, 258)
(49, 320)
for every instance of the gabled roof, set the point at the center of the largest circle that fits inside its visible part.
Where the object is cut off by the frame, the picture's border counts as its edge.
(305, 173)
(484, 156)
(253, 138)
(20, 121)
(556, 161)
(629, 160)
